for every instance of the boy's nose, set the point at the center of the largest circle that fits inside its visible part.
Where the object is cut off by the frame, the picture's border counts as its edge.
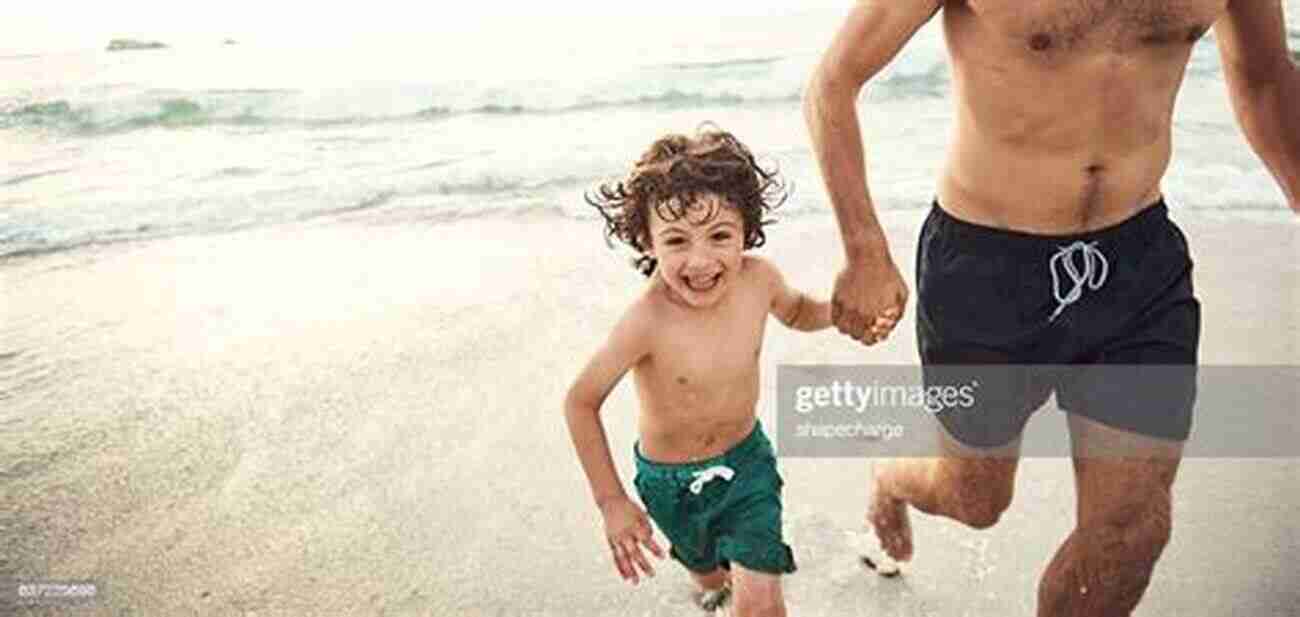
(698, 259)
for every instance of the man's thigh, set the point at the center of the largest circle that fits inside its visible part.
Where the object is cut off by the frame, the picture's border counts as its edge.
(975, 480)
(1121, 473)
(1124, 521)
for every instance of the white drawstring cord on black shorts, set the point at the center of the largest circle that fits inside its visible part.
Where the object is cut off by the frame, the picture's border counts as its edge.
(1094, 273)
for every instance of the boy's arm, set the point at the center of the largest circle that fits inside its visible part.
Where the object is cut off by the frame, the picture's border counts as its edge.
(795, 309)
(626, 526)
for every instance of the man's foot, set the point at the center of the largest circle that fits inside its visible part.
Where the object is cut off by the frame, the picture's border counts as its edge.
(888, 518)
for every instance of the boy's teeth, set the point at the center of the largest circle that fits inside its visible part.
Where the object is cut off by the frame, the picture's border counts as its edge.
(702, 284)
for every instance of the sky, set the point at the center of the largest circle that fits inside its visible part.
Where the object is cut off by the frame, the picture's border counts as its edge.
(52, 25)
(49, 25)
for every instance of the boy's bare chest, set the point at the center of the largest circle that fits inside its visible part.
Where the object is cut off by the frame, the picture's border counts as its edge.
(1112, 25)
(714, 352)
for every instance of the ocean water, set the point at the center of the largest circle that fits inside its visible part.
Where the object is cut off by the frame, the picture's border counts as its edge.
(204, 137)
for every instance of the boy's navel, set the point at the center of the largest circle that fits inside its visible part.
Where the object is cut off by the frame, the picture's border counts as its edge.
(681, 380)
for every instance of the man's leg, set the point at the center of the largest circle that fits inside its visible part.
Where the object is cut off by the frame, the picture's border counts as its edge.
(973, 486)
(1123, 522)
(757, 594)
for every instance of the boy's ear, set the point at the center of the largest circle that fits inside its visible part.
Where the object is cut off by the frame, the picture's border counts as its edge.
(648, 246)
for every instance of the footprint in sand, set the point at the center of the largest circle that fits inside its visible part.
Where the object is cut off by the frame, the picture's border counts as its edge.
(822, 544)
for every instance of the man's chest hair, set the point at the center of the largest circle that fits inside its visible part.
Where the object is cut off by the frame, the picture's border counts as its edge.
(1050, 25)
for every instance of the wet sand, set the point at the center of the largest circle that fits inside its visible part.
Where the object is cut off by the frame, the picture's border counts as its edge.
(359, 419)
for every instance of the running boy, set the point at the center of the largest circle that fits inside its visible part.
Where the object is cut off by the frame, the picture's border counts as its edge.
(705, 471)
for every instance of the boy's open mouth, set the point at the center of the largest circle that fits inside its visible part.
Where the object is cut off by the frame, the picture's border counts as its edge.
(702, 283)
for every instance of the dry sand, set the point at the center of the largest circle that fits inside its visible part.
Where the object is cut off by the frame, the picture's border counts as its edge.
(349, 419)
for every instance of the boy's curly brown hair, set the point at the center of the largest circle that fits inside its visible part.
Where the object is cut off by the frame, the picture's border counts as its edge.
(670, 177)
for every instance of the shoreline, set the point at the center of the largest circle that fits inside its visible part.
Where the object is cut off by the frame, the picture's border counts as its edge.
(416, 218)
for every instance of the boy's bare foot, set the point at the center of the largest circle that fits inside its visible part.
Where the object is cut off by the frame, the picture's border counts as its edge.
(713, 599)
(712, 589)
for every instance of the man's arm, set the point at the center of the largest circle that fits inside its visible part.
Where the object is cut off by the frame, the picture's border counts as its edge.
(870, 293)
(1264, 85)
(870, 37)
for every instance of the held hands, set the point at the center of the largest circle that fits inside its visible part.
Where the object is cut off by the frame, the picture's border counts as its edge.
(868, 300)
(627, 528)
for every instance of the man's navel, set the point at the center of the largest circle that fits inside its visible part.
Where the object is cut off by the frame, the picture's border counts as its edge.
(1040, 42)
(1090, 199)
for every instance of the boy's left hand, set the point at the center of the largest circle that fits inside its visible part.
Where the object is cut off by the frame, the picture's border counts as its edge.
(627, 528)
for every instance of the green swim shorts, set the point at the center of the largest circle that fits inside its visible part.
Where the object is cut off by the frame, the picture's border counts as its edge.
(721, 510)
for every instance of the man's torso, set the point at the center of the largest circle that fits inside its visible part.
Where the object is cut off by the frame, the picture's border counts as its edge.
(1064, 107)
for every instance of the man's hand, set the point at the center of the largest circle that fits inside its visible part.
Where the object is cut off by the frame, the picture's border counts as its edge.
(627, 528)
(869, 299)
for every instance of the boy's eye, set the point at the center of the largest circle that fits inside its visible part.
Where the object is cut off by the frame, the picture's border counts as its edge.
(674, 241)
(721, 235)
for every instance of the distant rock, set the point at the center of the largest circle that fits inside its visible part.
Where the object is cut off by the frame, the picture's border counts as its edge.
(132, 44)
(230, 42)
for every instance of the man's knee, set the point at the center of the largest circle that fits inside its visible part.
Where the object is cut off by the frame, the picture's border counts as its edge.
(1128, 504)
(979, 490)
(1138, 528)
(986, 512)
(1106, 565)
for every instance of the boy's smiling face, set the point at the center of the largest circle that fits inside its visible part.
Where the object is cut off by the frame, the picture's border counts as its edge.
(700, 253)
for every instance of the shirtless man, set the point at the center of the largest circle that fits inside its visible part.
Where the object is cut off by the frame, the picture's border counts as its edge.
(1049, 243)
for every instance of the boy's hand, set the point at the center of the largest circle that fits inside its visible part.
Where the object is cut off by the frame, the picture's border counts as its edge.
(626, 528)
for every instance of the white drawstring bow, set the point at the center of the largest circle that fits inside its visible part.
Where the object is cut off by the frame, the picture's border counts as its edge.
(1094, 273)
(704, 476)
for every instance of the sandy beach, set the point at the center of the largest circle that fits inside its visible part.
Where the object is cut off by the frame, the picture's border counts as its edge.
(365, 419)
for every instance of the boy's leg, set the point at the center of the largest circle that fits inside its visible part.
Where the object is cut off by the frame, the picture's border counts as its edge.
(757, 594)
(712, 588)
(711, 581)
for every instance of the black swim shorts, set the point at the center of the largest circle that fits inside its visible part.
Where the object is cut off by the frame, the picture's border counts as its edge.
(1107, 320)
